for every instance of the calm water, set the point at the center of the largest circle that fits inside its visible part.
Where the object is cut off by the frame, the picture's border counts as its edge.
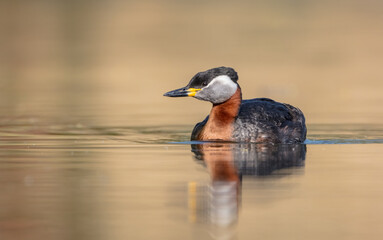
(90, 149)
(73, 181)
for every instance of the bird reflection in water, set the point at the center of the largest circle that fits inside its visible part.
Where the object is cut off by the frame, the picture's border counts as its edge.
(218, 202)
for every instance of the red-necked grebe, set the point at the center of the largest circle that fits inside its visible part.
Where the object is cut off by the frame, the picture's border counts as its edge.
(259, 120)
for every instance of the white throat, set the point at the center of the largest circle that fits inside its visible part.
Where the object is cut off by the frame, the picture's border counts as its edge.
(220, 89)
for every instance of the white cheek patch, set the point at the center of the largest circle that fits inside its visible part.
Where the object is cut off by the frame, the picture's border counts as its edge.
(223, 80)
(219, 90)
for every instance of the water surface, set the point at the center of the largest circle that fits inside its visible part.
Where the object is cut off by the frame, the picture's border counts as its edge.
(90, 149)
(72, 181)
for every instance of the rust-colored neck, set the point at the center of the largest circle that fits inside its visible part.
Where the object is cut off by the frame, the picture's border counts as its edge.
(221, 119)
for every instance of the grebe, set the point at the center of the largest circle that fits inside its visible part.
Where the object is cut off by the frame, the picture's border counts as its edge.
(259, 120)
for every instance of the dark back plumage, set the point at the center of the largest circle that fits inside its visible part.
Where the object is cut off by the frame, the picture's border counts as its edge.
(264, 120)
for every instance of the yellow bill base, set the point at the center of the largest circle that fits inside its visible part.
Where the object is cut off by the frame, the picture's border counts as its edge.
(192, 91)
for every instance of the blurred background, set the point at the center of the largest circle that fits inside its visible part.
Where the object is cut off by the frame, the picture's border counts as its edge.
(109, 62)
(85, 130)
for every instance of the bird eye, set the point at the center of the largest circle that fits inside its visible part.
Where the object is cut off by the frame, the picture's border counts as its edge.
(204, 84)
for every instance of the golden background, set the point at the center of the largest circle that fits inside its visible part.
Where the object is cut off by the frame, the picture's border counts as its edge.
(113, 60)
